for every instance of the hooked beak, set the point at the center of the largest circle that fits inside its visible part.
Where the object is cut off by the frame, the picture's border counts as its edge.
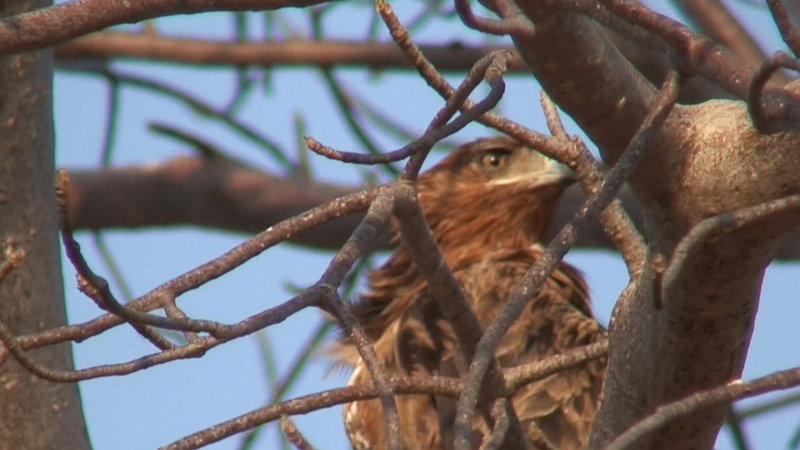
(537, 170)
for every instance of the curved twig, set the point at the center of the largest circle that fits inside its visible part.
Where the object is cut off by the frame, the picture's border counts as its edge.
(788, 31)
(755, 90)
(512, 23)
(736, 389)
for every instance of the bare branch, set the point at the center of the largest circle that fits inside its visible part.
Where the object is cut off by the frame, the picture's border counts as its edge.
(215, 268)
(374, 55)
(13, 258)
(196, 348)
(788, 31)
(294, 435)
(446, 290)
(692, 243)
(211, 193)
(737, 389)
(491, 66)
(431, 75)
(199, 106)
(521, 375)
(400, 385)
(616, 223)
(96, 287)
(755, 91)
(495, 440)
(59, 23)
(715, 20)
(512, 23)
(376, 219)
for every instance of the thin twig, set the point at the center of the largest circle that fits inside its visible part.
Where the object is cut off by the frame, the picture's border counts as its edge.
(311, 297)
(194, 349)
(200, 145)
(491, 68)
(449, 295)
(348, 111)
(495, 440)
(294, 435)
(111, 264)
(448, 292)
(733, 390)
(617, 224)
(197, 105)
(438, 129)
(304, 356)
(521, 375)
(172, 310)
(718, 224)
(755, 90)
(356, 247)
(112, 122)
(545, 144)
(13, 258)
(788, 31)
(213, 269)
(513, 21)
(445, 289)
(342, 100)
(436, 385)
(714, 19)
(94, 286)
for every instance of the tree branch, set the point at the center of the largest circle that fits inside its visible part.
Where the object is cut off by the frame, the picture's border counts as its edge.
(723, 395)
(214, 194)
(375, 55)
(52, 25)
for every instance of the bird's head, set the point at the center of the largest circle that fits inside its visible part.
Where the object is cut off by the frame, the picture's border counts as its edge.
(493, 192)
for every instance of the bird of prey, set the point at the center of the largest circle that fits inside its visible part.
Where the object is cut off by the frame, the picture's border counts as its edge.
(489, 204)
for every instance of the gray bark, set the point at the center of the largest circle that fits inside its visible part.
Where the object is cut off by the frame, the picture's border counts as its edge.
(34, 414)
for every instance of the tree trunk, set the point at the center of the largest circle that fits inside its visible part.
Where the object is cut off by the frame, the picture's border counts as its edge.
(34, 414)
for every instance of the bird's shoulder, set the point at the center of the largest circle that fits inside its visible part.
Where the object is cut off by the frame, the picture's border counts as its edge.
(500, 272)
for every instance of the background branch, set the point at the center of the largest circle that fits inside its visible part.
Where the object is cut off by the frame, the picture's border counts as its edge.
(190, 191)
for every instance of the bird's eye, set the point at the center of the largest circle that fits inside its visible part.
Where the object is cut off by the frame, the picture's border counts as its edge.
(494, 159)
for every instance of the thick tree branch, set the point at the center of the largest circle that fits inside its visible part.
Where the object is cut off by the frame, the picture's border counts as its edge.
(210, 193)
(713, 19)
(706, 160)
(111, 44)
(446, 58)
(214, 194)
(566, 44)
(724, 394)
(59, 23)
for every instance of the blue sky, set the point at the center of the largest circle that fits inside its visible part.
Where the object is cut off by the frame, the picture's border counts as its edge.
(161, 404)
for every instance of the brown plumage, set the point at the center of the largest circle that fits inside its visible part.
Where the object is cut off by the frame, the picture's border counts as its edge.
(488, 204)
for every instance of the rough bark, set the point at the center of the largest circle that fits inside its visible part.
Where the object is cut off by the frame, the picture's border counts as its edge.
(34, 414)
(707, 160)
